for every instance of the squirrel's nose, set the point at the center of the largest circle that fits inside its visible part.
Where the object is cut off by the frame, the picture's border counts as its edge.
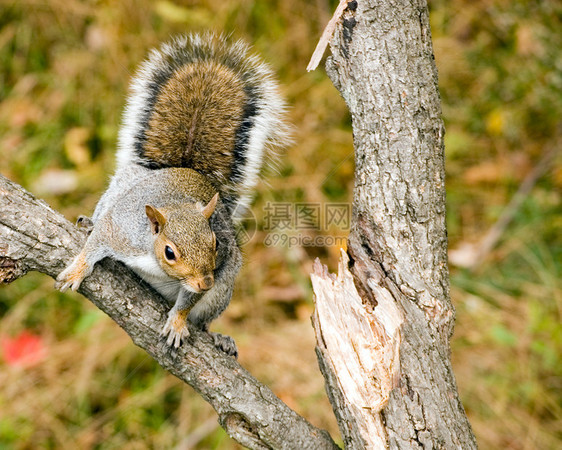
(205, 283)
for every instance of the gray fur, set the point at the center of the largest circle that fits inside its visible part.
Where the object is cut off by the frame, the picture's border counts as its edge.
(122, 231)
(120, 228)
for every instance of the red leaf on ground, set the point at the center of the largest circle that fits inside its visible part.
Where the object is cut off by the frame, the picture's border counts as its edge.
(25, 350)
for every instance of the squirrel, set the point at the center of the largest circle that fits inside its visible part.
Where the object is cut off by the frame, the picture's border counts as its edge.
(202, 116)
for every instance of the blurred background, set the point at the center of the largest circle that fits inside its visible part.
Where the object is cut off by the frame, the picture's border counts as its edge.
(70, 378)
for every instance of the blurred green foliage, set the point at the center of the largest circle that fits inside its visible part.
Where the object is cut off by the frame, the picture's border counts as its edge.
(65, 66)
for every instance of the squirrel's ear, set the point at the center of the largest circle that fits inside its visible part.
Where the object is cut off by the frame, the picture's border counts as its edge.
(208, 210)
(156, 218)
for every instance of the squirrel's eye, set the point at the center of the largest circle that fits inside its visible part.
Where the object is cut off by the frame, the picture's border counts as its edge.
(169, 253)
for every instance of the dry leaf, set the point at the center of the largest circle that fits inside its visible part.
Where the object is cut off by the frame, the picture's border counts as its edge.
(76, 145)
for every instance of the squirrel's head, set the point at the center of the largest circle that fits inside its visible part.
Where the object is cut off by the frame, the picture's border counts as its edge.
(184, 244)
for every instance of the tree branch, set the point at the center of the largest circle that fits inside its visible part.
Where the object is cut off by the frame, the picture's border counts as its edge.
(35, 237)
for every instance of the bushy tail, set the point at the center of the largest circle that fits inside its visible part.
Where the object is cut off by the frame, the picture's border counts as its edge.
(203, 103)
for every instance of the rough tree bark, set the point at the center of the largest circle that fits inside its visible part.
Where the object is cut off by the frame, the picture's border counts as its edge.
(34, 237)
(383, 324)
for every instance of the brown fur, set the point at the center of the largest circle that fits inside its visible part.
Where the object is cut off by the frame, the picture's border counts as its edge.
(180, 319)
(195, 119)
(80, 268)
(189, 236)
(190, 183)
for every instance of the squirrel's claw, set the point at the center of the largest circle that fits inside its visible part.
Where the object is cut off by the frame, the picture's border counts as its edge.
(73, 275)
(175, 331)
(63, 286)
(224, 343)
(68, 279)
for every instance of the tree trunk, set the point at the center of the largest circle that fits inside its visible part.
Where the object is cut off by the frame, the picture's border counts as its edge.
(383, 325)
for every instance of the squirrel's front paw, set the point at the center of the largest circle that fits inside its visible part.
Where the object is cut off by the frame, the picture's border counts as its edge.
(68, 279)
(175, 331)
(72, 276)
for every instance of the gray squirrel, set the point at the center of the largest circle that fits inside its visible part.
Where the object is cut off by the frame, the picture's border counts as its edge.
(201, 117)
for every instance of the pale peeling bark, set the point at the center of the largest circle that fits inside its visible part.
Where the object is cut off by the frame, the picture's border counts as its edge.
(360, 350)
(34, 237)
(383, 65)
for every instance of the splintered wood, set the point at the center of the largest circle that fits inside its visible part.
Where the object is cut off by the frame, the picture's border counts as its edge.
(326, 36)
(359, 346)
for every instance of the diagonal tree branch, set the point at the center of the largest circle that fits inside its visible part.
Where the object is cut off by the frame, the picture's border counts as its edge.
(34, 237)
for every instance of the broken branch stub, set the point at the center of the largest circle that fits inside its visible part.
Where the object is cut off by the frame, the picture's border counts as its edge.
(359, 348)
